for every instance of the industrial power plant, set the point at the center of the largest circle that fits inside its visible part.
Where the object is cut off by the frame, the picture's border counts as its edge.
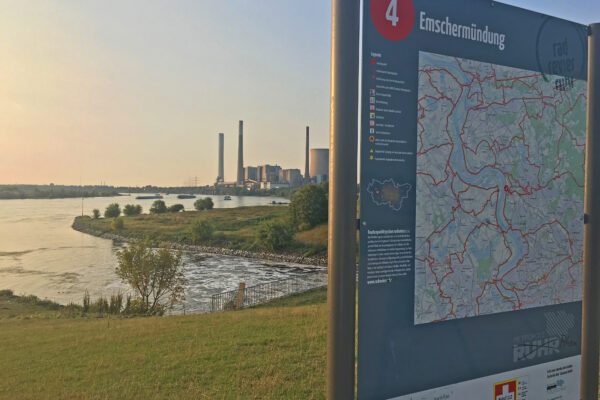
(267, 176)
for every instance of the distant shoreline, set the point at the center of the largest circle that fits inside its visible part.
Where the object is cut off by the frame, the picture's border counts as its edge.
(61, 197)
(50, 192)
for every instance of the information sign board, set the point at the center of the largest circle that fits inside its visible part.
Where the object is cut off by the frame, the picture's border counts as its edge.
(472, 187)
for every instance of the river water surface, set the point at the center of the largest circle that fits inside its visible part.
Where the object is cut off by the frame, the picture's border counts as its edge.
(41, 255)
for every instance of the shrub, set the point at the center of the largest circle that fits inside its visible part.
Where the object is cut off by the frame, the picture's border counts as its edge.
(96, 213)
(175, 208)
(100, 306)
(133, 306)
(112, 211)
(204, 204)
(117, 224)
(127, 308)
(155, 275)
(208, 203)
(158, 207)
(86, 302)
(116, 303)
(275, 235)
(71, 310)
(199, 204)
(201, 231)
(308, 207)
(131, 210)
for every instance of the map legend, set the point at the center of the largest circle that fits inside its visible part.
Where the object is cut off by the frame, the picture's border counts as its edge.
(385, 86)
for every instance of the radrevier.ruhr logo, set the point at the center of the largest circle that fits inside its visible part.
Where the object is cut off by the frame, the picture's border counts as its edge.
(548, 343)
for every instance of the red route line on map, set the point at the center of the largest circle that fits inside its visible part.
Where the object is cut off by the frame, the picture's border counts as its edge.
(526, 190)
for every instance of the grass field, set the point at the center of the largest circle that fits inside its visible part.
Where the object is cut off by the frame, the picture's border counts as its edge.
(275, 351)
(235, 228)
(27, 307)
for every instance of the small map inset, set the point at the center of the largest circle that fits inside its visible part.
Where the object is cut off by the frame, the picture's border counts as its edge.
(389, 193)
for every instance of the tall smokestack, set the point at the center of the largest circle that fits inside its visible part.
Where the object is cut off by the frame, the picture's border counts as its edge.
(221, 175)
(306, 173)
(240, 170)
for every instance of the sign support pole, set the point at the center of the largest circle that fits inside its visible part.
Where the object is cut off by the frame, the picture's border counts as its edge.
(341, 296)
(591, 274)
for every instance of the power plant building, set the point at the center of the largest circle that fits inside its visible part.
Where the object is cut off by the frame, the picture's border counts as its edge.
(270, 173)
(319, 165)
(293, 176)
(251, 174)
(266, 176)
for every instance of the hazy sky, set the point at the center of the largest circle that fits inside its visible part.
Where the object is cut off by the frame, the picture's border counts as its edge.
(135, 92)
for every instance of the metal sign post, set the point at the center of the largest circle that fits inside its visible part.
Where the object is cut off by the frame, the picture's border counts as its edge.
(345, 22)
(591, 296)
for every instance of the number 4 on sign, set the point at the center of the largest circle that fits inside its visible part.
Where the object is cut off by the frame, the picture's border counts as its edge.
(392, 12)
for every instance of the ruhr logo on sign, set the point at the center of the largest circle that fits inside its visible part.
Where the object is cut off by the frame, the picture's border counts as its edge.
(506, 390)
(393, 19)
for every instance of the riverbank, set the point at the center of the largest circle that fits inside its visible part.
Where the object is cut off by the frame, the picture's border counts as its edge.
(235, 232)
(22, 192)
(27, 307)
(276, 351)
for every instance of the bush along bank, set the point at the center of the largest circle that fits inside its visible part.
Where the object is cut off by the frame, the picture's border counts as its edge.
(82, 224)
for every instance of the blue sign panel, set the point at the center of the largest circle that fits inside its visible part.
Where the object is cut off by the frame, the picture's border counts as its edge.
(472, 183)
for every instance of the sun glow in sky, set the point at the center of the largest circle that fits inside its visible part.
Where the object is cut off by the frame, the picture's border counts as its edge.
(134, 92)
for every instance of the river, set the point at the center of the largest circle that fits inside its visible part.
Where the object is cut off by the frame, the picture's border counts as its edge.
(41, 255)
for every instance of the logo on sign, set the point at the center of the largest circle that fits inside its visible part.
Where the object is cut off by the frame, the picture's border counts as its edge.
(506, 390)
(393, 19)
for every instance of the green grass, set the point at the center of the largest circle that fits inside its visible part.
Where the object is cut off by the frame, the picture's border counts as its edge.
(276, 351)
(235, 228)
(26, 307)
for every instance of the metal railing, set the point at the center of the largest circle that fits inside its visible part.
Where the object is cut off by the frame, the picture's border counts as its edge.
(254, 295)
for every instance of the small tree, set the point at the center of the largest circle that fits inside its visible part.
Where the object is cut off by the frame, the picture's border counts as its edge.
(275, 235)
(199, 204)
(155, 275)
(208, 203)
(175, 208)
(158, 207)
(112, 211)
(118, 224)
(201, 231)
(204, 204)
(309, 206)
(95, 213)
(131, 210)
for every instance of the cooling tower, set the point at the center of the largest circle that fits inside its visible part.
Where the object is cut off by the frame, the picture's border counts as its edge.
(319, 163)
